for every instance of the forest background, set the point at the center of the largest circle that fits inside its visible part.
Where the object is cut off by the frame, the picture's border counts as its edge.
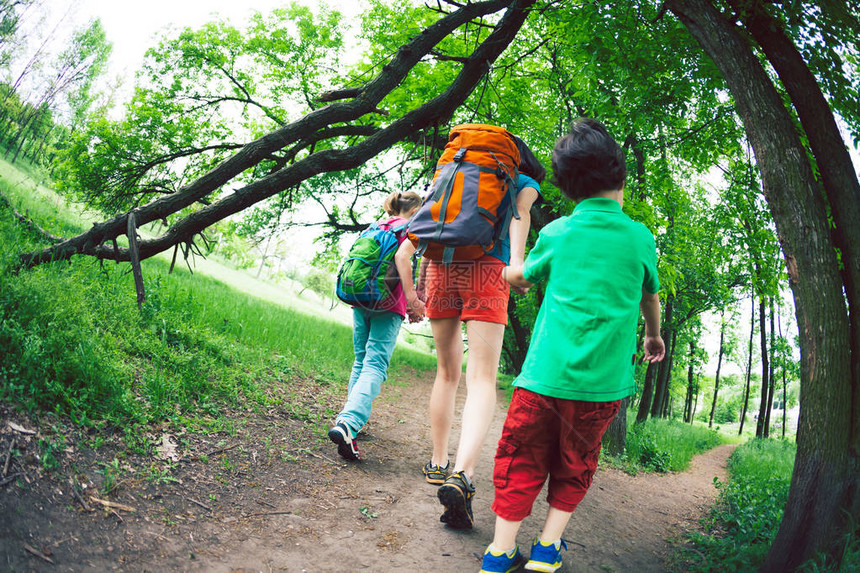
(202, 93)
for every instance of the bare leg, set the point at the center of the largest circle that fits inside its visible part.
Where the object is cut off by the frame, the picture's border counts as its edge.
(505, 536)
(449, 365)
(556, 521)
(485, 348)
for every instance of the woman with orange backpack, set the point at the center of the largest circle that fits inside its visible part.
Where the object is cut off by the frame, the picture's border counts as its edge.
(488, 171)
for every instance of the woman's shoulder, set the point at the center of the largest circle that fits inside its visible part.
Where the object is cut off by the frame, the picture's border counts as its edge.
(524, 181)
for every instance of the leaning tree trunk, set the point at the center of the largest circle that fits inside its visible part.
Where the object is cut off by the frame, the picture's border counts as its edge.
(826, 480)
(772, 373)
(719, 364)
(666, 408)
(837, 175)
(688, 401)
(749, 367)
(765, 369)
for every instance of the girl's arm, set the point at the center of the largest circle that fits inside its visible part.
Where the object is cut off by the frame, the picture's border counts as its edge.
(403, 262)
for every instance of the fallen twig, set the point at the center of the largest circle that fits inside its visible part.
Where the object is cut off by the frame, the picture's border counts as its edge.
(78, 497)
(8, 458)
(10, 479)
(322, 457)
(113, 505)
(221, 450)
(21, 429)
(268, 513)
(38, 553)
(261, 502)
(203, 505)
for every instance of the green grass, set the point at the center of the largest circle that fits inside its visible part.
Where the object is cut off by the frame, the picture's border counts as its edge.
(75, 342)
(745, 520)
(667, 445)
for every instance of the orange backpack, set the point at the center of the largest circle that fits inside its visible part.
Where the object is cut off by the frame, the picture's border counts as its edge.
(472, 197)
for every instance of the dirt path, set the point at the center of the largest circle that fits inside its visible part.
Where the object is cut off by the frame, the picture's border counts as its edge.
(267, 505)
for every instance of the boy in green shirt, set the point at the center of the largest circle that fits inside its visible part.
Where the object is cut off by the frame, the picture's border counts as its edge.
(600, 269)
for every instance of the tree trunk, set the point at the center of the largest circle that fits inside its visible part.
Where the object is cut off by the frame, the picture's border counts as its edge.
(518, 349)
(834, 164)
(615, 438)
(826, 478)
(771, 382)
(660, 388)
(688, 401)
(765, 369)
(749, 366)
(695, 401)
(666, 408)
(647, 393)
(719, 364)
(784, 389)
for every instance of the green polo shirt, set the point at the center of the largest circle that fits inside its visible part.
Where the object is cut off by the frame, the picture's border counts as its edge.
(595, 263)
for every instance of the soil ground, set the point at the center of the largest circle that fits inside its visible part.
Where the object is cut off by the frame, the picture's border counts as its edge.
(273, 495)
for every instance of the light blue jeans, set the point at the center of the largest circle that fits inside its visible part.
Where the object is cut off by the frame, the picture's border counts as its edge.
(374, 335)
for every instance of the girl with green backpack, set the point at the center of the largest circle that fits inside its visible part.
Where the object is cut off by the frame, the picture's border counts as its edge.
(375, 326)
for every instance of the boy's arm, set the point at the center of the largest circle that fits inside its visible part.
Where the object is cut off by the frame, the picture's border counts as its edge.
(514, 275)
(519, 233)
(655, 350)
(402, 260)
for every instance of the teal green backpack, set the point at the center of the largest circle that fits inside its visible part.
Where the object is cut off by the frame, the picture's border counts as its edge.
(368, 275)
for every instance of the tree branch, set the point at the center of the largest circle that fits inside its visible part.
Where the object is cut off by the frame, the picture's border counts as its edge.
(432, 113)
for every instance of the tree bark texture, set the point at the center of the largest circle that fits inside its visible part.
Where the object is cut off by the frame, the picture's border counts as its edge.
(647, 393)
(825, 479)
(365, 101)
(615, 438)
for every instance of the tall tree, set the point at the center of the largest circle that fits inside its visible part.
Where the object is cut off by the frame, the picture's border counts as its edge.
(826, 478)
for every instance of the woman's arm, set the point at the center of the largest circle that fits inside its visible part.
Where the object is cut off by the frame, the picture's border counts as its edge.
(519, 229)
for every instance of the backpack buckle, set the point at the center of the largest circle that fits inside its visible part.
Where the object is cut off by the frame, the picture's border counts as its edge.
(458, 157)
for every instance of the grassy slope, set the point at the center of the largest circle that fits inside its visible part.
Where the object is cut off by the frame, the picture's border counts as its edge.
(76, 343)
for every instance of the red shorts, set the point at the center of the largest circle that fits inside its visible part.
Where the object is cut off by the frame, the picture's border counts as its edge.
(472, 290)
(547, 436)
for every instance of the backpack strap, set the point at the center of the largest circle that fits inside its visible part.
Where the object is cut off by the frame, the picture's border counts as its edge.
(443, 190)
(510, 184)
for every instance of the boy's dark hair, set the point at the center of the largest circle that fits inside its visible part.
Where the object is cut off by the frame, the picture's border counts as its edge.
(529, 164)
(588, 161)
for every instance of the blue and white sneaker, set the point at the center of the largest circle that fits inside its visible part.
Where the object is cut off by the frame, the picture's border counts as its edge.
(546, 557)
(501, 562)
(342, 435)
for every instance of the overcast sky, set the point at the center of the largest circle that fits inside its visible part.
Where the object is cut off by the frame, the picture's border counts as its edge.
(131, 26)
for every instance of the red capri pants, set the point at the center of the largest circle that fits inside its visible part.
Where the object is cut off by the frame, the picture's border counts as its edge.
(547, 436)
